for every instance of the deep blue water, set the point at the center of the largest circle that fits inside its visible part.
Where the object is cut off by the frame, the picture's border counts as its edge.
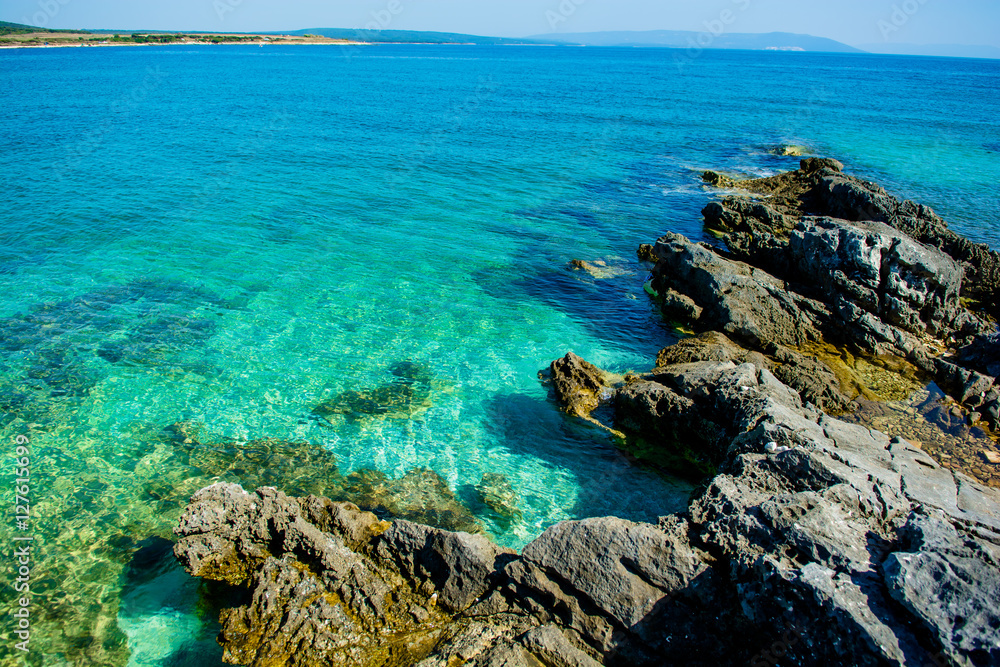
(231, 236)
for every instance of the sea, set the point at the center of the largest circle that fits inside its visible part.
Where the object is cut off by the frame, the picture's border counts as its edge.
(341, 270)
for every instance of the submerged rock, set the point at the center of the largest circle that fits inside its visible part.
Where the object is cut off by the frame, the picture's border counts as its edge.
(408, 395)
(495, 491)
(420, 495)
(303, 468)
(792, 150)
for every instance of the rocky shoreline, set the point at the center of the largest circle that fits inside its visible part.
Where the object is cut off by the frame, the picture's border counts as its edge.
(813, 540)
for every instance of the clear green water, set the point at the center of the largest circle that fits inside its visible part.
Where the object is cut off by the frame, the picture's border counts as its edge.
(232, 236)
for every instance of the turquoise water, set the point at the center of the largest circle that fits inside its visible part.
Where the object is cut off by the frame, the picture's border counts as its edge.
(232, 236)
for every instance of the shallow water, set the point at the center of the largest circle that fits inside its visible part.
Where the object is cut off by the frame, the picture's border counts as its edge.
(232, 236)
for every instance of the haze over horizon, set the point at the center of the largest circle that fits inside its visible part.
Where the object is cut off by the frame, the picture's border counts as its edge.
(856, 22)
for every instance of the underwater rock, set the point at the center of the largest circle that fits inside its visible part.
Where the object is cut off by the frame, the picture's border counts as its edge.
(598, 269)
(303, 468)
(495, 491)
(157, 342)
(421, 495)
(404, 397)
(395, 399)
(793, 150)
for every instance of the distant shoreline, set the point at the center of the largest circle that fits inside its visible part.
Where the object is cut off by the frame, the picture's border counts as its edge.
(71, 45)
(42, 40)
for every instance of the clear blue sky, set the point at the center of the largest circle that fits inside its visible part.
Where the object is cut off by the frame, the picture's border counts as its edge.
(850, 21)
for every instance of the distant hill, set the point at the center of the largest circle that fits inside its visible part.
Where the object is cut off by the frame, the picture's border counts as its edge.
(946, 50)
(685, 39)
(7, 28)
(408, 36)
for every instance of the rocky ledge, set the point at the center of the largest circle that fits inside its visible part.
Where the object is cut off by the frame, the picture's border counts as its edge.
(813, 541)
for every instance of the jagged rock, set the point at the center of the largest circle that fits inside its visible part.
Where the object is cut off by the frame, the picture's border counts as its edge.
(982, 355)
(815, 164)
(457, 566)
(625, 569)
(746, 303)
(718, 180)
(739, 214)
(578, 384)
(852, 199)
(838, 544)
(950, 585)
(812, 378)
(873, 267)
(645, 253)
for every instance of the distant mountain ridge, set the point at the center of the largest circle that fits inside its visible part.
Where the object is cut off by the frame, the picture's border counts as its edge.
(408, 36)
(680, 39)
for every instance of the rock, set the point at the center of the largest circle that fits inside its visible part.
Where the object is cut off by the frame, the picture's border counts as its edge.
(410, 393)
(598, 269)
(813, 165)
(792, 150)
(680, 306)
(625, 569)
(746, 303)
(852, 199)
(709, 346)
(991, 457)
(645, 253)
(954, 590)
(457, 566)
(718, 180)
(579, 385)
(742, 215)
(982, 355)
(840, 545)
(400, 398)
(419, 495)
(885, 273)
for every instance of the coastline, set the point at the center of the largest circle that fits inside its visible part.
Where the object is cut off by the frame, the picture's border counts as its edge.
(811, 539)
(262, 40)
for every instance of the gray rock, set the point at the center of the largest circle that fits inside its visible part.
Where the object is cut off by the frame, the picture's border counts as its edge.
(952, 587)
(625, 569)
(843, 196)
(458, 566)
(887, 274)
(746, 303)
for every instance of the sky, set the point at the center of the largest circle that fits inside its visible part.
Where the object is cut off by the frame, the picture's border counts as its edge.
(854, 22)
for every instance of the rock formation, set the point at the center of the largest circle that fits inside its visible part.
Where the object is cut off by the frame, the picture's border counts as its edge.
(812, 540)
